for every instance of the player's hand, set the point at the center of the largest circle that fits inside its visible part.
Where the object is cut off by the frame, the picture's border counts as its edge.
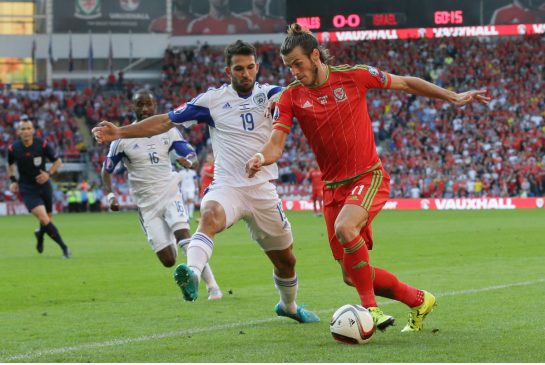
(253, 166)
(105, 132)
(14, 187)
(184, 162)
(271, 104)
(114, 204)
(42, 177)
(470, 96)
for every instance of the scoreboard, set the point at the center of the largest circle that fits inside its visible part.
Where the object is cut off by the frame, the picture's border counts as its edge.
(358, 20)
(339, 15)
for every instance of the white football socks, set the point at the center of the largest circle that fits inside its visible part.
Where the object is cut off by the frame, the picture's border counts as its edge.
(287, 287)
(199, 252)
(207, 275)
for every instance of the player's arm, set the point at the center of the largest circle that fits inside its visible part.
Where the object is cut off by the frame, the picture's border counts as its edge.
(106, 132)
(107, 187)
(10, 168)
(417, 86)
(270, 153)
(185, 153)
(50, 153)
(114, 157)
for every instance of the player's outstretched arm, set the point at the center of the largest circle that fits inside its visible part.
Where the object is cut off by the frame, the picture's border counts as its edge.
(106, 132)
(270, 153)
(417, 86)
(107, 187)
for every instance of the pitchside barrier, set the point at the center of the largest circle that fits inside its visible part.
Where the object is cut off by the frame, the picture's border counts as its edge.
(439, 204)
(392, 204)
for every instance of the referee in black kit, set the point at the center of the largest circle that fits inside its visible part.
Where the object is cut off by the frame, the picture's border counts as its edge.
(29, 154)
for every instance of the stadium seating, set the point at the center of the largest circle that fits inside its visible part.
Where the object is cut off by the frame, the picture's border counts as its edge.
(430, 148)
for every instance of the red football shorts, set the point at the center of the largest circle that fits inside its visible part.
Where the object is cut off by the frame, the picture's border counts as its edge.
(317, 194)
(370, 191)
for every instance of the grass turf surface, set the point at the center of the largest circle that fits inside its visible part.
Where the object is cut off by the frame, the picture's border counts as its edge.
(113, 301)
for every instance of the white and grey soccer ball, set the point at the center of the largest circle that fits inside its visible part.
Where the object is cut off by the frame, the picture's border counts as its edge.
(352, 324)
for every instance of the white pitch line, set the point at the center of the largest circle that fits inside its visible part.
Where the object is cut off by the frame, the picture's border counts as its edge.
(190, 331)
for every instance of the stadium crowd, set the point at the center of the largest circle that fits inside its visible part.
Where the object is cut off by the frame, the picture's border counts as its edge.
(430, 148)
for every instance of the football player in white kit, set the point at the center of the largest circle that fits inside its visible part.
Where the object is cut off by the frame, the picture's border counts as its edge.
(155, 188)
(238, 129)
(189, 188)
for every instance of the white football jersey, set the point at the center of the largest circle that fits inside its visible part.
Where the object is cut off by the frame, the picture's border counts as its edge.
(150, 170)
(238, 130)
(189, 178)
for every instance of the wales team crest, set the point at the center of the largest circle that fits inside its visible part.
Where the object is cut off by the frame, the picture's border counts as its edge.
(340, 94)
(87, 9)
(260, 99)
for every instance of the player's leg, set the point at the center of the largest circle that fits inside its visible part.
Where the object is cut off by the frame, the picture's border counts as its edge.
(168, 255)
(190, 207)
(40, 204)
(220, 208)
(270, 227)
(183, 237)
(364, 199)
(421, 302)
(159, 234)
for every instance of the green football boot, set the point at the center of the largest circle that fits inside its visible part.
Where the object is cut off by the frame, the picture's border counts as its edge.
(187, 281)
(418, 314)
(382, 321)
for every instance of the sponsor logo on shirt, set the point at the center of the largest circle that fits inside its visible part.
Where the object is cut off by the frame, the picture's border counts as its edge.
(135, 146)
(322, 99)
(373, 71)
(307, 104)
(226, 106)
(181, 108)
(260, 99)
(382, 77)
(339, 94)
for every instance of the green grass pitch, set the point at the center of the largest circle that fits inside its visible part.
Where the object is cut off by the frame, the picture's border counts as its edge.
(114, 302)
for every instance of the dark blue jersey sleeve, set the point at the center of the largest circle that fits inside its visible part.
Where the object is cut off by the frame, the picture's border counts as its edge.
(196, 109)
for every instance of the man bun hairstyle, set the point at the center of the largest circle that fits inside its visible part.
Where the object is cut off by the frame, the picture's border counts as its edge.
(238, 48)
(302, 37)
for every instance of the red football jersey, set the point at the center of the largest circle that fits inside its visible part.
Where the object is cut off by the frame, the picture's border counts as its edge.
(315, 177)
(335, 120)
(179, 25)
(516, 14)
(265, 24)
(207, 176)
(230, 24)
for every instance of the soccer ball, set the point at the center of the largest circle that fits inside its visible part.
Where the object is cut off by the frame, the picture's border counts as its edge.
(352, 324)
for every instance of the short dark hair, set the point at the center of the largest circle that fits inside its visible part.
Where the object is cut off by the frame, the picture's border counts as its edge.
(139, 92)
(239, 47)
(302, 37)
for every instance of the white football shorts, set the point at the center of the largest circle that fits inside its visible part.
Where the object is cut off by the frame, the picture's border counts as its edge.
(189, 194)
(162, 219)
(260, 207)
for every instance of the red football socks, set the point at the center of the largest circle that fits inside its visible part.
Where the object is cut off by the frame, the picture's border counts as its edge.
(388, 285)
(356, 265)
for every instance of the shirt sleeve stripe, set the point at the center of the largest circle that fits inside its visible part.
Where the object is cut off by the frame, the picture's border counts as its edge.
(283, 127)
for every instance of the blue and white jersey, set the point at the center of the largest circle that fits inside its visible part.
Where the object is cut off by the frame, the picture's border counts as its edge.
(189, 179)
(238, 130)
(148, 161)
